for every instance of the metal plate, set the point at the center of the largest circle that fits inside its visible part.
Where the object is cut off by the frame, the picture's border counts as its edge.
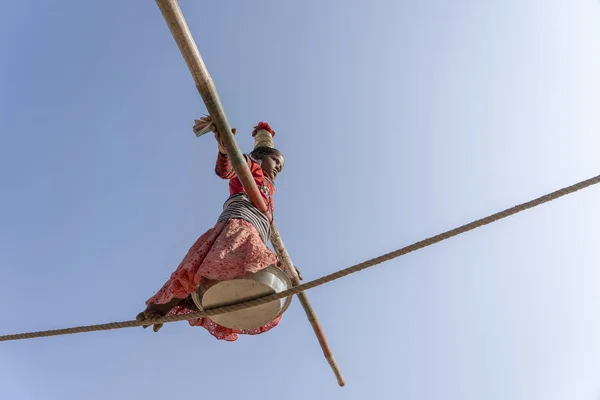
(265, 282)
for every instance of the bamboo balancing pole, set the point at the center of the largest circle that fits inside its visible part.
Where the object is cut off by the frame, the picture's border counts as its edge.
(174, 18)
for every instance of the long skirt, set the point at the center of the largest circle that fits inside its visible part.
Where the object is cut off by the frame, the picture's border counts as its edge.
(229, 250)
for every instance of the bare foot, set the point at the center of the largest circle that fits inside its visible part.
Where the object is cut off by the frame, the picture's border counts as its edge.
(154, 311)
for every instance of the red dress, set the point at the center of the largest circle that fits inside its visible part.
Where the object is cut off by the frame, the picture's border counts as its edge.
(265, 185)
(228, 250)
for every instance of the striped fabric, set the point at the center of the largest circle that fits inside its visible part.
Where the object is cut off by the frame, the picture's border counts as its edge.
(239, 206)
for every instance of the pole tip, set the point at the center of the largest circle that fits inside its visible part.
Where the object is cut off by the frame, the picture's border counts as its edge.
(336, 370)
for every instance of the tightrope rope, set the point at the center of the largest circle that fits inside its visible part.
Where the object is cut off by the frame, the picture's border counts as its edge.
(320, 281)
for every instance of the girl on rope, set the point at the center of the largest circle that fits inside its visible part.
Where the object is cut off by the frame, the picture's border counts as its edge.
(235, 246)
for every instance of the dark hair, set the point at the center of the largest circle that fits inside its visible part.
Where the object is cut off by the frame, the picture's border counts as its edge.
(261, 152)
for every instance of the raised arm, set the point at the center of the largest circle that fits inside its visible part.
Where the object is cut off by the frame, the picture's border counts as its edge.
(223, 168)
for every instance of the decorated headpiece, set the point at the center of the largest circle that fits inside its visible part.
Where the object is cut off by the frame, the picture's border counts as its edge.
(263, 136)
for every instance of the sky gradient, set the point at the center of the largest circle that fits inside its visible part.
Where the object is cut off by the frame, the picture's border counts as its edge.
(398, 120)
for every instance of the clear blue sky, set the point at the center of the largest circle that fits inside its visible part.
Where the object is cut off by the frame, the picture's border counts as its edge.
(398, 119)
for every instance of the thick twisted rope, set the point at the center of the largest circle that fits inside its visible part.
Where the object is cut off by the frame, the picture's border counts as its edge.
(323, 280)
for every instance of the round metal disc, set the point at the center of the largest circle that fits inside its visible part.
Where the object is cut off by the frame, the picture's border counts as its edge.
(237, 290)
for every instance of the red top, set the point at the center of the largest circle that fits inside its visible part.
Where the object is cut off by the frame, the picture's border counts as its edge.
(266, 187)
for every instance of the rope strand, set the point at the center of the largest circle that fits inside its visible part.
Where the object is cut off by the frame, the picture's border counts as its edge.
(323, 280)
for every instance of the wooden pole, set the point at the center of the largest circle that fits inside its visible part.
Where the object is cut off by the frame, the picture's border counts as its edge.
(205, 85)
(310, 313)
